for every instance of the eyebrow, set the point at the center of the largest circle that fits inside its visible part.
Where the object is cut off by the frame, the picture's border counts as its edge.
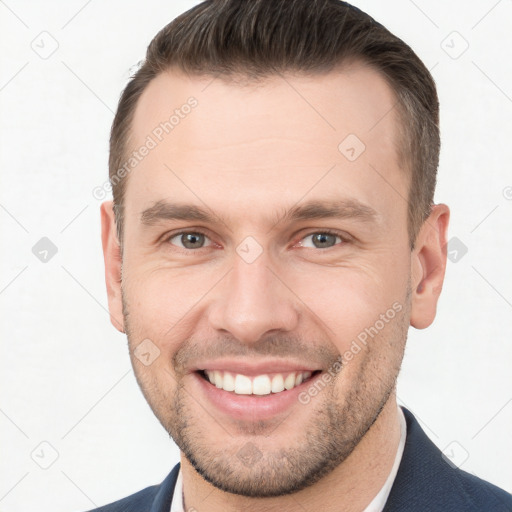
(311, 210)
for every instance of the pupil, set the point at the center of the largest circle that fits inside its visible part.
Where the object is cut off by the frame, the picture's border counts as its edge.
(190, 240)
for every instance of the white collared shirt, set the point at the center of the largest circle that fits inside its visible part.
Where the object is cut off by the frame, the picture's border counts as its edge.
(377, 504)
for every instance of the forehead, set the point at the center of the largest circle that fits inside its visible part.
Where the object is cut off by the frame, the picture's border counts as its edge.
(229, 144)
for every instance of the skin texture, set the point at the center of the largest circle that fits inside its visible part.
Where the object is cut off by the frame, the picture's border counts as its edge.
(248, 153)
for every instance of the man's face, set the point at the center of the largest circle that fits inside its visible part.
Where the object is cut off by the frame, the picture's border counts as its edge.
(256, 292)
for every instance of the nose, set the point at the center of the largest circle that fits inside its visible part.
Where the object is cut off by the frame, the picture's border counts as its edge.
(252, 301)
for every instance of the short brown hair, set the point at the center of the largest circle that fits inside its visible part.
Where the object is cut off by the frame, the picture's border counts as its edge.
(259, 38)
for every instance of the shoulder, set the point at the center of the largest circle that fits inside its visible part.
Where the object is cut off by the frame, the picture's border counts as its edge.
(155, 498)
(428, 481)
(453, 489)
(483, 494)
(138, 502)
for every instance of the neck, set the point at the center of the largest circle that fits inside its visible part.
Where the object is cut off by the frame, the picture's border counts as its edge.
(348, 488)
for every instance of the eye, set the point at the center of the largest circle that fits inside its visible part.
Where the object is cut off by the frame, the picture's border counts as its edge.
(321, 240)
(189, 240)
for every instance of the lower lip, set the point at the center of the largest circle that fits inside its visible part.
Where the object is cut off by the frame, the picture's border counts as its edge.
(252, 407)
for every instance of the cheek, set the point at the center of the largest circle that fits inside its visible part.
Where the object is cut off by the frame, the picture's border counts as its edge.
(348, 301)
(167, 304)
(160, 300)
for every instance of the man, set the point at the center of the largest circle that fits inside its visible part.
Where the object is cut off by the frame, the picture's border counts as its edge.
(272, 237)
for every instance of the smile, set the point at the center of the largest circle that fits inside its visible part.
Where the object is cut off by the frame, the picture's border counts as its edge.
(264, 384)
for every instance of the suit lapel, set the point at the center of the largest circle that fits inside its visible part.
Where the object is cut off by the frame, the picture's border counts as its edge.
(163, 498)
(424, 479)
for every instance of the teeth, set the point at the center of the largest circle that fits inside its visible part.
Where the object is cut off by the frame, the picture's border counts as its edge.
(289, 382)
(277, 383)
(243, 385)
(229, 382)
(260, 385)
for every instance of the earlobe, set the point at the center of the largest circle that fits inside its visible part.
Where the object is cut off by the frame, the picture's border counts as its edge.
(113, 260)
(428, 264)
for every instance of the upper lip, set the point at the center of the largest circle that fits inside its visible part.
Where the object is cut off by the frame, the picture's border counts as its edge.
(253, 369)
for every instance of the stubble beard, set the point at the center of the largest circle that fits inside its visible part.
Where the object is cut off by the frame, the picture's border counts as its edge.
(336, 424)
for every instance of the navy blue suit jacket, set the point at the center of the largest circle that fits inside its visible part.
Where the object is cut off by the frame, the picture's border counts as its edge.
(425, 482)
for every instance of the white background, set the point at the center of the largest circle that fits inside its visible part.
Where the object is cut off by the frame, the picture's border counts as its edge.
(66, 377)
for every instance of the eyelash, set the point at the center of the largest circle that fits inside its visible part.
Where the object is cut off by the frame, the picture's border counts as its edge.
(166, 239)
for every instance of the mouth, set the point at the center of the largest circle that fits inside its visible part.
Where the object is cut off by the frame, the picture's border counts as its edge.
(259, 385)
(250, 390)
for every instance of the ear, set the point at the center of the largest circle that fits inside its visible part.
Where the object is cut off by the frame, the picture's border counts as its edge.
(428, 264)
(113, 261)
